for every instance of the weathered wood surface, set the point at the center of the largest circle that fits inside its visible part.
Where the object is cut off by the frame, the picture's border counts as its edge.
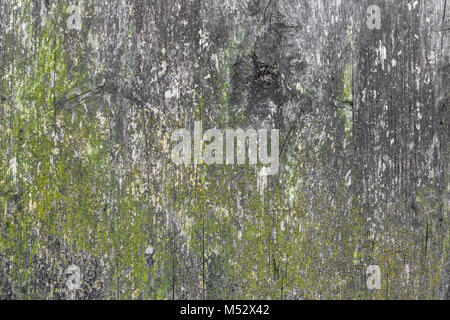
(88, 107)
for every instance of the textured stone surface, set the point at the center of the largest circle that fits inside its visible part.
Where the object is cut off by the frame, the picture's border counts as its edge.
(88, 106)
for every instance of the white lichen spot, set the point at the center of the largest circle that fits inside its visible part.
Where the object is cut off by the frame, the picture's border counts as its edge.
(262, 181)
(381, 55)
(13, 166)
(407, 272)
(149, 250)
(204, 44)
(348, 178)
(172, 93)
(163, 69)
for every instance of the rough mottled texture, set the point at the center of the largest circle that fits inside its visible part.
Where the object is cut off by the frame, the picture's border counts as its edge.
(86, 174)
